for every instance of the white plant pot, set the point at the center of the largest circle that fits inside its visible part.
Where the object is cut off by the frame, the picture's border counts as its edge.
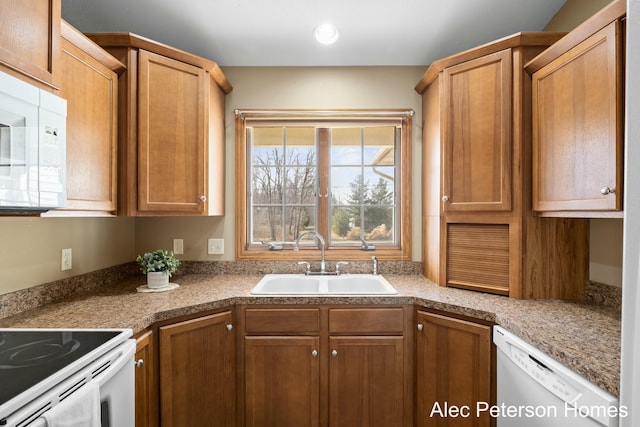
(157, 279)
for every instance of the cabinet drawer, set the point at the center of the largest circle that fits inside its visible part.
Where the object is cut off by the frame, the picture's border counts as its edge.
(366, 321)
(283, 321)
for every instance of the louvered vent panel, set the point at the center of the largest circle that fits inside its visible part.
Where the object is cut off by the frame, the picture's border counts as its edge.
(478, 257)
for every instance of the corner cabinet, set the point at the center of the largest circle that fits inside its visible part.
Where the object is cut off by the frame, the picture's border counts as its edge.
(453, 370)
(326, 366)
(171, 129)
(89, 83)
(578, 120)
(197, 372)
(30, 39)
(478, 227)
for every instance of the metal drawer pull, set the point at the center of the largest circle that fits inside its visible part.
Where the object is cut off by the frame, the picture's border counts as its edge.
(203, 198)
(314, 353)
(420, 326)
(229, 327)
(445, 198)
(139, 363)
(334, 353)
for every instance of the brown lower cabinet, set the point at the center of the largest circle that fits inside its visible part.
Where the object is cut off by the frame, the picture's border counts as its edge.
(453, 371)
(326, 366)
(318, 366)
(197, 372)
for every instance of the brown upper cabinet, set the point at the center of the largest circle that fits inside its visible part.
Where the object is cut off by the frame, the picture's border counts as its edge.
(479, 231)
(171, 129)
(477, 152)
(89, 83)
(30, 39)
(578, 120)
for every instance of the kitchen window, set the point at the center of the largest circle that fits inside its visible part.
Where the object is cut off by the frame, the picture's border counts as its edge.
(343, 174)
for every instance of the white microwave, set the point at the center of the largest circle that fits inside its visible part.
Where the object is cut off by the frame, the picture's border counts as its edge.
(32, 148)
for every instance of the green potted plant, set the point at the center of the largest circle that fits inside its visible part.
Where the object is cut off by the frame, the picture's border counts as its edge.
(158, 265)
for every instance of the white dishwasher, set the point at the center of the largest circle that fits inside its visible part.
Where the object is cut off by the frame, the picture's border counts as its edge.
(533, 390)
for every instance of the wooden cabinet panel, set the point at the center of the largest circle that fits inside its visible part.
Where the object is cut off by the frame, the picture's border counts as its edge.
(282, 381)
(363, 321)
(282, 321)
(197, 372)
(89, 83)
(30, 38)
(477, 134)
(366, 381)
(171, 143)
(453, 368)
(578, 131)
(145, 382)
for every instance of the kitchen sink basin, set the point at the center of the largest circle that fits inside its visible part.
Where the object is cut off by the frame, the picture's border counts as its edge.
(300, 284)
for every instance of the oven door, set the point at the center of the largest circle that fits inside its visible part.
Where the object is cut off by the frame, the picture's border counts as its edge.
(114, 373)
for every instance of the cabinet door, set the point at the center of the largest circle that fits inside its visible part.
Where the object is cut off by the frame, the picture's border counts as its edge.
(197, 372)
(578, 127)
(453, 368)
(282, 381)
(145, 417)
(171, 136)
(91, 91)
(29, 40)
(477, 134)
(366, 381)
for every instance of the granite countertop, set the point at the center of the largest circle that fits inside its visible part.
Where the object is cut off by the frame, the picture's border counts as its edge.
(586, 338)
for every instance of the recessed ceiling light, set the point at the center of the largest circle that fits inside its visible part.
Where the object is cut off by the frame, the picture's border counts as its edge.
(326, 33)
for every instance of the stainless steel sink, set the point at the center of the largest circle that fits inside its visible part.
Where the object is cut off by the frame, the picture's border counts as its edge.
(347, 284)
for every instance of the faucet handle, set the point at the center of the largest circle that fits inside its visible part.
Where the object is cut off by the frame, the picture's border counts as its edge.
(338, 264)
(308, 266)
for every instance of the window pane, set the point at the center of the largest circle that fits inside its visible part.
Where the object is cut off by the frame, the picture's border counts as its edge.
(380, 183)
(346, 146)
(378, 223)
(344, 228)
(298, 220)
(267, 146)
(267, 224)
(345, 185)
(300, 185)
(301, 146)
(380, 146)
(267, 185)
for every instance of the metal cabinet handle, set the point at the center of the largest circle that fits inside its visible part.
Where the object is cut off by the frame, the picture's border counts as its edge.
(420, 326)
(445, 198)
(314, 353)
(139, 363)
(607, 190)
(203, 198)
(229, 327)
(334, 353)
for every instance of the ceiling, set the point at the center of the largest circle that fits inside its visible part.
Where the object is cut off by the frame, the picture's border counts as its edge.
(279, 32)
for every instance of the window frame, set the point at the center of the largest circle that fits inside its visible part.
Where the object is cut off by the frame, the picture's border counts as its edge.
(247, 118)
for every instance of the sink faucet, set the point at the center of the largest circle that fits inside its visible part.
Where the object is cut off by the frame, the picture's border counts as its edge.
(322, 247)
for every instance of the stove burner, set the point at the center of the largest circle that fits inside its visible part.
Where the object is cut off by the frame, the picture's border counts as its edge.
(37, 352)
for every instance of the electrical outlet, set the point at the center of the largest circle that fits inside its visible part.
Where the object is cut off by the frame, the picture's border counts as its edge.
(66, 260)
(215, 247)
(178, 246)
